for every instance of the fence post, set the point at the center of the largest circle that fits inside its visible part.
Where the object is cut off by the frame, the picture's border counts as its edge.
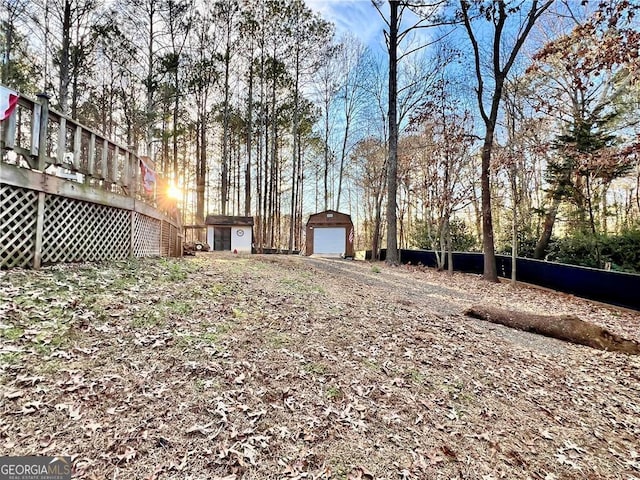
(37, 255)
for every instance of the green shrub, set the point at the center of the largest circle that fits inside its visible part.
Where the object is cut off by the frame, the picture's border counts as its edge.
(621, 251)
(578, 249)
(462, 240)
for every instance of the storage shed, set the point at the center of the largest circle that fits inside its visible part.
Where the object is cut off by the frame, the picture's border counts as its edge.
(330, 233)
(229, 233)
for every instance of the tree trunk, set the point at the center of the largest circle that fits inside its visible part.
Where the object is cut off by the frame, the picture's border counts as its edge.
(514, 222)
(343, 154)
(65, 56)
(224, 170)
(247, 175)
(201, 169)
(488, 246)
(174, 134)
(592, 222)
(449, 248)
(566, 327)
(499, 72)
(149, 81)
(299, 200)
(547, 228)
(294, 174)
(326, 156)
(261, 149)
(8, 50)
(393, 258)
(604, 224)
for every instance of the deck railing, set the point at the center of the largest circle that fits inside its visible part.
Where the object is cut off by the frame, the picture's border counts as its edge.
(70, 194)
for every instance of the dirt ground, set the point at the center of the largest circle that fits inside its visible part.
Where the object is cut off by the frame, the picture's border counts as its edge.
(251, 367)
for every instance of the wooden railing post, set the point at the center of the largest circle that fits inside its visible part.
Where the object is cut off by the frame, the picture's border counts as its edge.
(77, 148)
(62, 141)
(114, 165)
(104, 161)
(91, 164)
(134, 170)
(40, 126)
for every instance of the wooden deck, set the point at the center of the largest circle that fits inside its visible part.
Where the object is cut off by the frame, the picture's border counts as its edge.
(68, 194)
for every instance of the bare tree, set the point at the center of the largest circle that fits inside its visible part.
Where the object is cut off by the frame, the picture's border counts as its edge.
(370, 158)
(351, 96)
(326, 88)
(499, 16)
(177, 17)
(394, 34)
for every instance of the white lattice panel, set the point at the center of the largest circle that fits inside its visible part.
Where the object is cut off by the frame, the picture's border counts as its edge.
(81, 231)
(18, 213)
(146, 236)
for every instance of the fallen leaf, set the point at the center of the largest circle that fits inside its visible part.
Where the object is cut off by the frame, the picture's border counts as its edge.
(129, 454)
(202, 429)
(14, 394)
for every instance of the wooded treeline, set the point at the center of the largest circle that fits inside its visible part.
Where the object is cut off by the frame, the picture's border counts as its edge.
(257, 108)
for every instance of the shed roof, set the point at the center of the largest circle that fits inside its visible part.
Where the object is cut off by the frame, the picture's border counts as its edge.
(329, 216)
(228, 220)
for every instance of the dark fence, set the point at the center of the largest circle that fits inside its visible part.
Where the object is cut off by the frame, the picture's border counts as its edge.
(616, 288)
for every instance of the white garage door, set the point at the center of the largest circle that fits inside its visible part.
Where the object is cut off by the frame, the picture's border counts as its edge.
(329, 241)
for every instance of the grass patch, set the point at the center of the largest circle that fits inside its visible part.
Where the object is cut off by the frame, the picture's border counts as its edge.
(122, 283)
(222, 328)
(301, 286)
(208, 338)
(315, 368)
(239, 314)
(179, 307)
(199, 385)
(148, 318)
(220, 289)
(12, 333)
(456, 391)
(10, 358)
(174, 272)
(375, 269)
(278, 340)
(50, 367)
(334, 393)
(371, 365)
(416, 377)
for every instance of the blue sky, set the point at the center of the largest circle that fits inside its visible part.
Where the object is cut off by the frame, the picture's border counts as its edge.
(356, 17)
(361, 19)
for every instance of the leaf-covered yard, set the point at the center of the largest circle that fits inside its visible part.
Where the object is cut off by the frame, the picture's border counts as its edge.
(286, 367)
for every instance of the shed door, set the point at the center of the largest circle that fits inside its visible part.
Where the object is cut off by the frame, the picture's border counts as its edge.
(329, 240)
(221, 238)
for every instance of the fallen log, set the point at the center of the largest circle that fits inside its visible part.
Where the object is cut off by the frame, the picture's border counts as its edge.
(564, 327)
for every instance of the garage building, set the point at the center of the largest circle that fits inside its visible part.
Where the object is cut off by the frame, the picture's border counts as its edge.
(229, 233)
(330, 233)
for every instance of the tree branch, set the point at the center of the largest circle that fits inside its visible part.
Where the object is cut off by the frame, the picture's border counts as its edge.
(375, 5)
(406, 54)
(476, 53)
